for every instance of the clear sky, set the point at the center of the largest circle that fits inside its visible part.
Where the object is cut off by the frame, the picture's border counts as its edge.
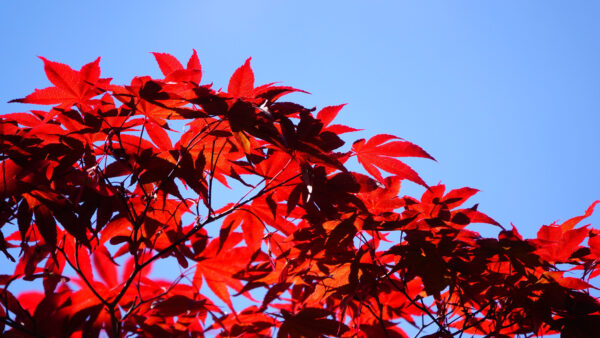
(504, 94)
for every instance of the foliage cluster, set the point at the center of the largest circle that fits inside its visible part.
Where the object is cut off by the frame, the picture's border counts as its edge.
(98, 187)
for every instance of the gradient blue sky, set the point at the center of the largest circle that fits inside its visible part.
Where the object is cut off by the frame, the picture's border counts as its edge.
(504, 94)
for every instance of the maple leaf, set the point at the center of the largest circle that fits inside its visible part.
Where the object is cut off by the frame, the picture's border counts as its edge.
(218, 263)
(328, 114)
(242, 81)
(70, 86)
(310, 322)
(167, 63)
(377, 153)
(173, 70)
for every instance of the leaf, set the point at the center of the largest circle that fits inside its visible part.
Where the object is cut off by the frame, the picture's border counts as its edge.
(243, 141)
(194, 68)
(71, 86)
(167, 63)
(402, 149)
(574, 283)
(4, 247)
(29, 300)
(62, 76)
(218, 267)
(594, 244)
(89, 74)
(253, 230)
(159, 136)
(273, 93)
(391, 331)
(105, 266)
(241, 83)
(573, 238)
(571, 223)
(9, 173)
(179, 304)
(376, 153)
(132, 145)
(398, 168)
(457, 197)
(274, 292)
(46, 224)
(50, 95)
(28, 120)
(194, 63)
(81, 300)
(478, 217)
(341, 129)
(556, 245)
(80, 258)
(328, 114)
(310, 322)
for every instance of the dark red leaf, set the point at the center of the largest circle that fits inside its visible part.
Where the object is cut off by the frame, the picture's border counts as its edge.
(179, 304)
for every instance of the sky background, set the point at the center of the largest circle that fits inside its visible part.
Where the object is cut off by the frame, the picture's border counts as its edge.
(504, 94)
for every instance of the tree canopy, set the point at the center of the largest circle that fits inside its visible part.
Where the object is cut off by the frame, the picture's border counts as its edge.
(100, 186)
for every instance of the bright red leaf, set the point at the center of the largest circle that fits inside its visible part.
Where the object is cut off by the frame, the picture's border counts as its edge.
(241, 83)
(377, 153)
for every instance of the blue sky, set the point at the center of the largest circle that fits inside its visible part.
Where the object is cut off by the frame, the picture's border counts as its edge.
(504, 94)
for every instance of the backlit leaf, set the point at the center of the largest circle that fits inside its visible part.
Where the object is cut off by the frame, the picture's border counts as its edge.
(242, 81)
